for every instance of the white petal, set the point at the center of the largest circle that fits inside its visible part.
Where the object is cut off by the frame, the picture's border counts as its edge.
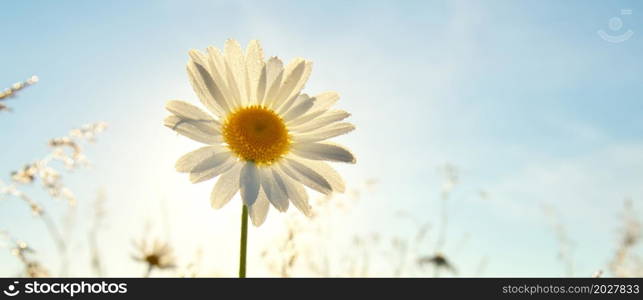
(198, 57)
(274, 67)
(261, 85)
(308, 69)
(198, 84)
(322, 103)
(325, 170)
(306, 118)
(276, 195)
(326, 118)
(305, 175)
(188, 111)
(197, 131)
(233, 88)
(190, 160)
(275, 73)
(202, 76)
(289, 94)
(294, 73)
(259, 210)
(212, 167)
(325, 100)
(327, 132)
(291, 99)
(323, 151)
(226, 187)
(254, 69)
(202, 92)
(236, 70)
(249, 183)
(302, 105)
(289, 104)
(218, 70)
(295, 191)
(206, 98)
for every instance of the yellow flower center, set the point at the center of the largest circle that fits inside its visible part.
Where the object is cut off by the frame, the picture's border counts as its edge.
(256, 133)
(153, 259)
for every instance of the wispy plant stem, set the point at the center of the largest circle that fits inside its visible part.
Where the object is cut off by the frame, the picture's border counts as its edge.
(59, 240)
(243, 247)
(149, 271)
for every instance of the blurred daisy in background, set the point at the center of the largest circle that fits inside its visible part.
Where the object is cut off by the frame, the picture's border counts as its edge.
(155, 254)
(264, 137)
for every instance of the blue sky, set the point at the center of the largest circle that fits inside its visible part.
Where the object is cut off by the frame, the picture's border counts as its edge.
(524, 97)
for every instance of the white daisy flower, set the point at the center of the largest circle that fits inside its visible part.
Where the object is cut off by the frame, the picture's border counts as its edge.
(264, 137)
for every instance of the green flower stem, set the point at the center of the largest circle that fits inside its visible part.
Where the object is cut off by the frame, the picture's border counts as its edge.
(244, 242)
